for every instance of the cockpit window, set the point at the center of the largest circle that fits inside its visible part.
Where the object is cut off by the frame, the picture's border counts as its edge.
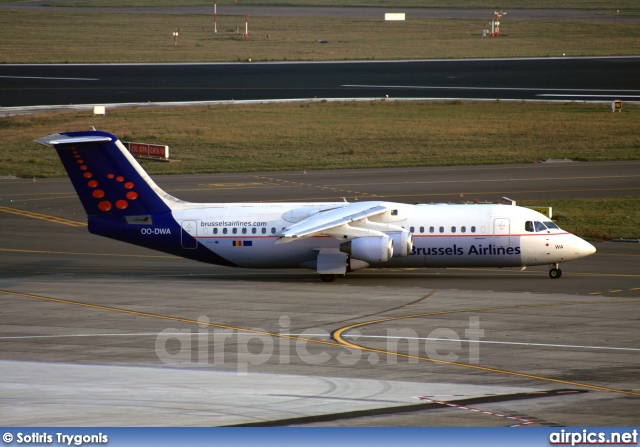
(540, 226)
(551, 225)
(528, 226)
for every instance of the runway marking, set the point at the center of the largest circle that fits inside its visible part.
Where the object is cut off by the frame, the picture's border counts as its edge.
(340, 342)
(27, 337)
(619, 255)
(456, 194)
(14, 250)
(333, 186)
(501, 271)
(591, 96)
(339, 335)
(522, 421)
(241, 185)
(429, 170)
(133, 334)
(489, 180)
(45, 217)
(50, 78)
(60, 196)
(499, 192)
(517, 89)
(492, 342)
(309, 185)
(164, 317)
(445, 340)
(241, 274)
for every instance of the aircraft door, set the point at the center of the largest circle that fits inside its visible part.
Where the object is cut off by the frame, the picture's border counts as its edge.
(501, 232)
(189, 233)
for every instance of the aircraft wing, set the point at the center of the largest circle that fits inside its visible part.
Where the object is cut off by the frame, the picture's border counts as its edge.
(326, 220)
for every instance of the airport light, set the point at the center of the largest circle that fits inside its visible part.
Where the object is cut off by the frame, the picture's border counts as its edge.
(495, 23)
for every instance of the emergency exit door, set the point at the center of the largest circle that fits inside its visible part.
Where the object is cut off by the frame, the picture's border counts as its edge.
(189, 233)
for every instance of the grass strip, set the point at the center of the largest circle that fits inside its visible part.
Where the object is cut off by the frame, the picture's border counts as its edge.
(86, 37)
(318, 135)
(595, 219)
(349, 135)
(397, 4)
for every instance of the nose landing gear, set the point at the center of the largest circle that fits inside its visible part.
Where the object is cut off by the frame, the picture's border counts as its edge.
(555, 271)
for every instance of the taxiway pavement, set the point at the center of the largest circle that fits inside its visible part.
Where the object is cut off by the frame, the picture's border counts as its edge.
(84, 317)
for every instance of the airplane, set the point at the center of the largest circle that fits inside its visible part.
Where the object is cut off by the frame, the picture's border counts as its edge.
(333, 238)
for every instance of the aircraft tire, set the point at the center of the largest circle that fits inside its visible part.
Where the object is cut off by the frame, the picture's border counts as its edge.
(328, 278)
(555, 273)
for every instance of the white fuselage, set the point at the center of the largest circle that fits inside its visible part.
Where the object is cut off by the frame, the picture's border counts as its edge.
(443, 235)
(123, 203)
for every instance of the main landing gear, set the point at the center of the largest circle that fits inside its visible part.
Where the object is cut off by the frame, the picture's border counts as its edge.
(328, 278)
(555, 271)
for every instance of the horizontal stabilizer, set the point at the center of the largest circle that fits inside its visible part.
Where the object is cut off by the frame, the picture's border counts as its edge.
(56, 138)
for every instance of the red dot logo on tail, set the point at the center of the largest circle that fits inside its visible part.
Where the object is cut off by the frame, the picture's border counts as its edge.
(105, 205)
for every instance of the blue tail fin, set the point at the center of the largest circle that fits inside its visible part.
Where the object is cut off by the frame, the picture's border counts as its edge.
(108, 180)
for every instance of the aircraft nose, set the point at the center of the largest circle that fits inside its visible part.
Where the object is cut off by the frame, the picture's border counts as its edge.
(585, 248)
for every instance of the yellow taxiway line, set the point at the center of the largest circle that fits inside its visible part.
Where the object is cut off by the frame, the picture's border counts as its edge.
(340, 342)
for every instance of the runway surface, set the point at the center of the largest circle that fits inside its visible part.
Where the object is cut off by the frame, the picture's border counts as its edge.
(96, 332)
(561, 79)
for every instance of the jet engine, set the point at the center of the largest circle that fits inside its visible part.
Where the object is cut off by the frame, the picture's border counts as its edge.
(370, 248)
(402, 243)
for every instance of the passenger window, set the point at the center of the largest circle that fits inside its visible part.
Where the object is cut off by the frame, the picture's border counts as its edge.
(551, 225)
(453, 229)
(254, 231)
(224, 231)
(540, 226)
(441, 229)
(473, 229)
(273, 230)
(234, 231)
(215, 231)
(528, 226)
(463, 229)
(421, 229)
(264, 230)
(244, 231)
(432, 230)
(412, 229)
